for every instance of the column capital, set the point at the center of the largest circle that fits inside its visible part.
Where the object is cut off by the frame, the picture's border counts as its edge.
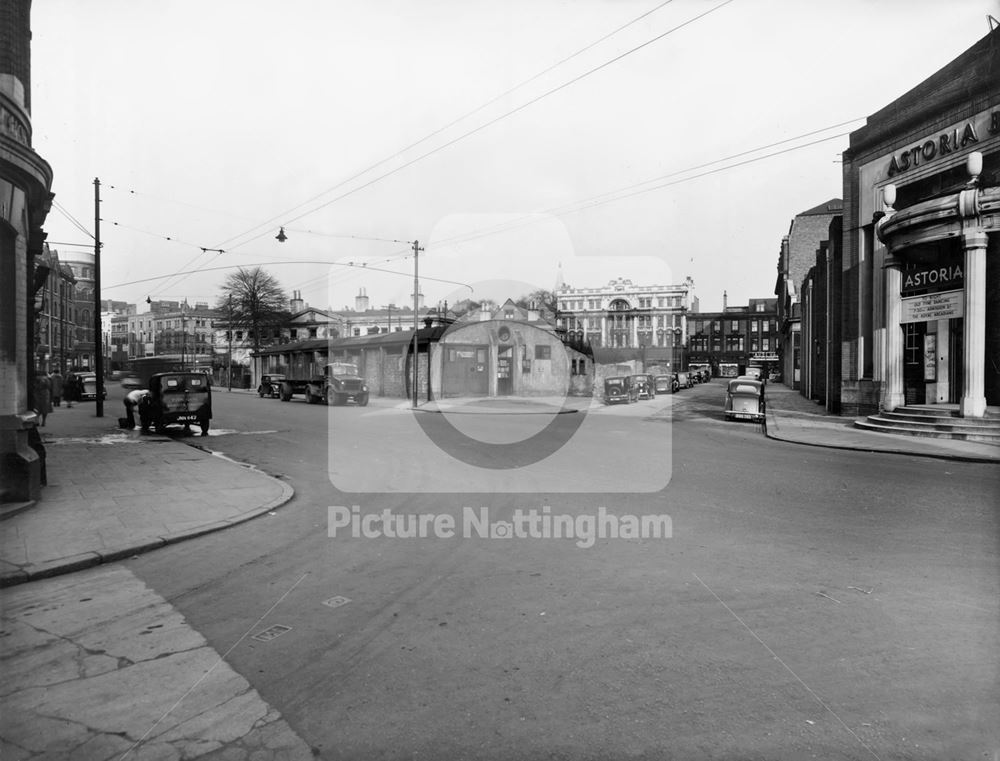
(893, 262)
(974, 238)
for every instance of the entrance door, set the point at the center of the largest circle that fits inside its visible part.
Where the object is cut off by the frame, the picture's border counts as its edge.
(505, 378)
(956, 361)
(914, 386)
(465, 371)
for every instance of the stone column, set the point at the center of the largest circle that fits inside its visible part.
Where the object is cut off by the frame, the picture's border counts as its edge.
(973, 402)
(892, 394)
(635, 331)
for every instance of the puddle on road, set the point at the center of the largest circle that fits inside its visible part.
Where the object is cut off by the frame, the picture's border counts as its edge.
(134, 437)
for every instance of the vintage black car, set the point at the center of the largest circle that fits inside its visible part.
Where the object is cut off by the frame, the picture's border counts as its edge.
(88, 387)
(270, 385)
(666, 384)
(618, 390)
(643, 387)
(177, 398)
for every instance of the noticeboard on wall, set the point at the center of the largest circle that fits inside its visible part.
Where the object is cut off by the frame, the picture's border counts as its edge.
(930, 357)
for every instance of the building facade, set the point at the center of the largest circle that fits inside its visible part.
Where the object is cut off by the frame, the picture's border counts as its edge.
(735, 338)
(25, 190)
(622, 314)
(55, 314)
(921, 259)
(806, 234)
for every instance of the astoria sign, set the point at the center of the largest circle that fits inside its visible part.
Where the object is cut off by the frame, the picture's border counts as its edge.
(955, 139)
(936, 278)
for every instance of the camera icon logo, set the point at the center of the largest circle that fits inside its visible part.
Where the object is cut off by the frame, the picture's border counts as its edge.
(510, 393)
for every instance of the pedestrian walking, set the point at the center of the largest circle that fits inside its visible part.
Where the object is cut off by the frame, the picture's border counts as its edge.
(56, 380)
(43, 397)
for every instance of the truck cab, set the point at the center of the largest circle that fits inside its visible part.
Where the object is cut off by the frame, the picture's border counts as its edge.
(341, 383)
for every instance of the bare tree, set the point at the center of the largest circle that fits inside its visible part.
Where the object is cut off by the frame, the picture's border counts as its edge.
(255, 301)
(542, 300)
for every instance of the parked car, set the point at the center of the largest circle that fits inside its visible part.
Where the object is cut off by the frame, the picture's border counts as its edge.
(617, 389)
(643, 387)
(270, 385)
(88, 386)
(745, 399)
(665, 384)
(178, 398)
(684, 380)
(131, 382)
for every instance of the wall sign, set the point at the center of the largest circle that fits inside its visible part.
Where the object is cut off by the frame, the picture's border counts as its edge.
(930, 357)
(933, 306)
(948, 277)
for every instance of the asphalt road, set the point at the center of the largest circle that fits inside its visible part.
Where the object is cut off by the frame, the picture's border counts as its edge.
(810, 603)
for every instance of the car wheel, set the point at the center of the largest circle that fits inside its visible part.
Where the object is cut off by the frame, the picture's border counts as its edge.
(363, 401)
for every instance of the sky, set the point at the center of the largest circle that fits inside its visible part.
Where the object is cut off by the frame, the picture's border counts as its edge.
(655, 141)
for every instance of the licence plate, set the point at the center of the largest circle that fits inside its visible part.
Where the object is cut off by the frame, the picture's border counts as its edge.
(187, 417)
(745, 415)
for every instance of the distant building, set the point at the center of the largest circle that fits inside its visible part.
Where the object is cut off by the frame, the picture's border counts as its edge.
(622, 314)
(735, 338)
(55, 316)
(806, 233)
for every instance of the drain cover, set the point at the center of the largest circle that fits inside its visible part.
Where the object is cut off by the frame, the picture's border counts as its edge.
(336, 602)
(271, 632)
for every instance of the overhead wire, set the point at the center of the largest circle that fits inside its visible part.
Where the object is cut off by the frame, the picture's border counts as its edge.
(449, 125)
(479, 128)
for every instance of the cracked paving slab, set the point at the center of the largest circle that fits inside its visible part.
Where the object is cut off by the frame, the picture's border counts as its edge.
(98, 666)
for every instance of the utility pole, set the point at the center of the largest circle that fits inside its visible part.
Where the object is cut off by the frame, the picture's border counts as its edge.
(230, 331)
(98, 337)
(416, 320)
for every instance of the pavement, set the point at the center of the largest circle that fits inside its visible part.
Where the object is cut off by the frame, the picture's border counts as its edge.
(793, 418)
(96, 665)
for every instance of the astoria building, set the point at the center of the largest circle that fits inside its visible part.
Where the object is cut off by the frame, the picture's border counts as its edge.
(921, 245)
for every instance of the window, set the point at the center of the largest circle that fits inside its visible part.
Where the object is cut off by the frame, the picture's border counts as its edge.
(356, 331)
(765, 344)
(734, 326)
(239, 335)
(754, 326)
(759, 307)
(312, 332)
(543, 351)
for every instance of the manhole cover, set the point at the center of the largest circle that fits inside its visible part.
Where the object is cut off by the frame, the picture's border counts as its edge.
(336, 602)
(271, 632)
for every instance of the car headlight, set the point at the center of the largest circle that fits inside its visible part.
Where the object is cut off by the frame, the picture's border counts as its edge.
(364, 387)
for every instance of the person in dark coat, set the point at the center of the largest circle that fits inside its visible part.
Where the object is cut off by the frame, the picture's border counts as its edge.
(43, 397)
(56, 379)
